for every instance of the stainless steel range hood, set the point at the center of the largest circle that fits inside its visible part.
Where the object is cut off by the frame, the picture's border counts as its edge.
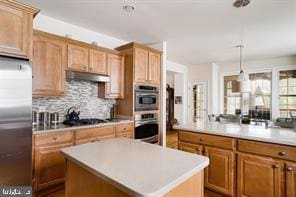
(87, 76)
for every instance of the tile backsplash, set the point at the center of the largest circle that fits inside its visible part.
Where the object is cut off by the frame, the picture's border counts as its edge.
(81, 94)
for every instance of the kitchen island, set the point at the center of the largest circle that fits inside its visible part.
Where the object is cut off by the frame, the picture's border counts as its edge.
(241, 155)
(125, 167)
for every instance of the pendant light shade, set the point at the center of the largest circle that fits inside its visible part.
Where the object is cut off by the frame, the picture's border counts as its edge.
(241, 76)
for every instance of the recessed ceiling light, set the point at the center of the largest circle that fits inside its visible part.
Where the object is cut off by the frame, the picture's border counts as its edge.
(129, 8)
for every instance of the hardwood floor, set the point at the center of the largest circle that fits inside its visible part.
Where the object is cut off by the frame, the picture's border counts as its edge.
(172, 139)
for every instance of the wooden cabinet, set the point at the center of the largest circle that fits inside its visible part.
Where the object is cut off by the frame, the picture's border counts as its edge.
(290, 179)
(219, 175)
(147, 67)
(93, 134)
(16, 30)
(97, 62)
(49, 62)
(141, 65)
(78, 57)
(49, 164)
(115, 88)
(154, 68)
(125, 130)
(144, 63)
(258, 176)
(191, 148)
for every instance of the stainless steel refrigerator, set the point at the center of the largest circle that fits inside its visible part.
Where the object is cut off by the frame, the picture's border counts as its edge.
(15, 122)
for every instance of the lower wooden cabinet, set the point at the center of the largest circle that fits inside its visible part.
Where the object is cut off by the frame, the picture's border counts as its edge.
(219, 175)
(244, 167)
(291, 179)
(191, 148)
(259, 176)
(49, 166)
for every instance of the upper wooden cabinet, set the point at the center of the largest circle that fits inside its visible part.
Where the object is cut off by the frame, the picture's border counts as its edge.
(147, 67)
(97, 61)
(154, 68)
(145, 63)
(258, 176)
(16, 30)
(115, 88)
(141, 65)
(78, 57)
(49, 62)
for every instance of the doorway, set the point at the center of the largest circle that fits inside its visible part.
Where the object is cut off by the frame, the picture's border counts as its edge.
(199, 99)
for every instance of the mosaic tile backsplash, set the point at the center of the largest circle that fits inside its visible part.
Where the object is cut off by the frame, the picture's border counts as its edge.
(81, 94)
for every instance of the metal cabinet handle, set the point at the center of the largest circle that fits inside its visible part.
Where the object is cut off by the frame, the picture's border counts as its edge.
(283, 153)
(54, 138)
(201, 139)
(275, 166)
(90, 68)
(289, 169)
(197, 149)
(205, 152)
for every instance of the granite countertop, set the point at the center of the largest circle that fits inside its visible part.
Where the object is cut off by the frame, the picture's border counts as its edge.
(63, 127)
(143, 170)
(251, 132)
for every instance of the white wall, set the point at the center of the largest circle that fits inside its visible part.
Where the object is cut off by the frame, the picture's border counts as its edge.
(181, 89)
(170, 77)
(55, 26)
(200, 73)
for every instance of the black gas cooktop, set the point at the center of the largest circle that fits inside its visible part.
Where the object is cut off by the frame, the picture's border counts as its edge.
(87, 121)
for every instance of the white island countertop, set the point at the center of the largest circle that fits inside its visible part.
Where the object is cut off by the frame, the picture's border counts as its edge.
(135, 167)
(251, 132)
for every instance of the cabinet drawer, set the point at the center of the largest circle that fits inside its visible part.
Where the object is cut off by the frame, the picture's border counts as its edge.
(266, 149)
(210, 140)
(97, 133)
(54, 138)
(126, 134)
(124, 127)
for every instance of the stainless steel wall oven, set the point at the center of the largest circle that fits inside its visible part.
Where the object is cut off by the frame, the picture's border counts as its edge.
(146, 98)
(147, 127)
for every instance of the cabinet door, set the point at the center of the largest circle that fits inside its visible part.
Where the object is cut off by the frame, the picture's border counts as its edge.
(77, 57)
(191, 148)
(258, 176)
(154, 68)
(49, 166)
(291, 179)
(97, 62)
(219, 175)
(141, 65)
(16, 31)
(115, 88)
(49, 61)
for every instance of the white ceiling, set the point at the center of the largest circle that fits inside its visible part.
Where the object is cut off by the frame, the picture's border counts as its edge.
(196, 31)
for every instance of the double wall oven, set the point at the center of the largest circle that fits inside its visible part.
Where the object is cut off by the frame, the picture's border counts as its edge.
(146, 117)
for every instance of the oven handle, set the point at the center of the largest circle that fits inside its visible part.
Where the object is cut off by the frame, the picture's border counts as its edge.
(152, 95)
(150, 139)
(146, 122)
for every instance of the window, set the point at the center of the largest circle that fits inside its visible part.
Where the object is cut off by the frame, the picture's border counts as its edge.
(287, 93)
(199, 101)
(232, 96)
(260, 88)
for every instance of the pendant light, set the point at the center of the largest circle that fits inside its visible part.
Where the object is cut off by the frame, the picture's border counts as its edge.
(241, 76)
